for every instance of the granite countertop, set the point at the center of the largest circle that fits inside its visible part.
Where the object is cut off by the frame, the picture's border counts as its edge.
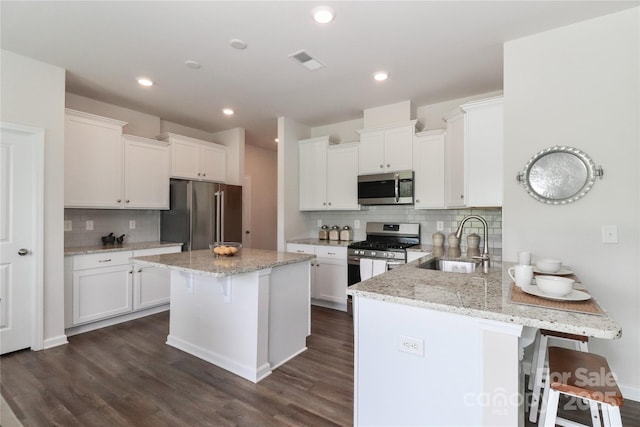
(204, 262)
(318, 242)
(84, 250)
(485, 296)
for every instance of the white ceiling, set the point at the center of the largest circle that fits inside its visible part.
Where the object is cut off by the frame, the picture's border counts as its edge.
(433, 50)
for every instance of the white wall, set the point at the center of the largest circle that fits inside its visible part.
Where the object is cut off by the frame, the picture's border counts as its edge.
(578, 86)
(233, 139)
(341, 132)
(33, 95)
(289, 133)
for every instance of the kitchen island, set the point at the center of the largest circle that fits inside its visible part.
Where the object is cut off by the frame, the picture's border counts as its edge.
(440, 348)
(247, 313)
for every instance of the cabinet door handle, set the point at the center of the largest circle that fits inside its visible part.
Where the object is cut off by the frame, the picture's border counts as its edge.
(198, 173)
(140, 271)
(329, 203)
(381, 166)
(388, 165)
(417, 200)
(204, 174)
(462, 196)
(131, 272)
(119, 200)
(127, 201)
(105, 260)
(331, 253)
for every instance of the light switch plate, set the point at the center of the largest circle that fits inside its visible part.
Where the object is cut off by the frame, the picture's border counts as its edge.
(439, 225)
(132, 224)
(319, 223)
(89, 225)
(356, 224)
(68, 225)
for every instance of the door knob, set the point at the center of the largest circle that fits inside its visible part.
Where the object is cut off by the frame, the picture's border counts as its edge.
(23, 252)
(247, 232)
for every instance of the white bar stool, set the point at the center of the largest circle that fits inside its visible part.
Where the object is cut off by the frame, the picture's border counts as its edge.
(582, 375)
(538, 364)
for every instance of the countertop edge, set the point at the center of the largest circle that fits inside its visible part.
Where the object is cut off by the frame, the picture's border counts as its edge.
(85, 250)
(479, 314)
(231, 272)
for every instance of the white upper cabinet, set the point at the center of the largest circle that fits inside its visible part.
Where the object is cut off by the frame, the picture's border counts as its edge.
(105, 169)
(474, 154)
(92, 160)
(146, 173)
(429, 169)
(196, 159)
(327, 175)
(387, 149)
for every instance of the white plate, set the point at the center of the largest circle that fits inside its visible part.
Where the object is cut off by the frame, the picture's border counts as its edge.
(575, 295)
(563, 271)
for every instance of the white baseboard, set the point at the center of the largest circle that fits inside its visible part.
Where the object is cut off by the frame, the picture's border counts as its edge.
(55, 341)
(630, 393)
(75, 330)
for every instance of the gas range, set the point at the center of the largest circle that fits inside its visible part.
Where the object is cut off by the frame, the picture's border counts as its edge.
(386, 241)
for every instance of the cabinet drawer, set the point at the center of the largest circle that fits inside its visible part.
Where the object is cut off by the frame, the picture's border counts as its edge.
(339, 253)
(301, 249)
(157, 251)
(104, 259)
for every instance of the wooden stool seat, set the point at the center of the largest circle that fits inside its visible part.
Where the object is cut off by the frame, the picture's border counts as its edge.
(538, 365)
(583, 375)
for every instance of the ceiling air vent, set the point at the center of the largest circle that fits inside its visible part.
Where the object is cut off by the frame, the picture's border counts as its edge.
(307, 60)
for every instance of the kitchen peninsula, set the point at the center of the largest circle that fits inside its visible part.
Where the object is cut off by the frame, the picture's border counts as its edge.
(247, 313)
(449, 345)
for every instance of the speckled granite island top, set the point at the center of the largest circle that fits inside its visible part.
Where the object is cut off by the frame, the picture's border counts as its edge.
(83, 250)
(317, 242)
(205, 263)
(480, 295)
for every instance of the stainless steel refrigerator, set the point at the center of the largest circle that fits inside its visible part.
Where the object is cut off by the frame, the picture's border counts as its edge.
(202, 213)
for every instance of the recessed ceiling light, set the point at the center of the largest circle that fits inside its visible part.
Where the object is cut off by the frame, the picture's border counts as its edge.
(323, 14)
(380, 76)
(227, 111)
(238, 44)
(192, 64)
(143, 81)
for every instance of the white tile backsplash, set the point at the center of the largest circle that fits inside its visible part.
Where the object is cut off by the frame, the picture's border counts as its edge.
(114, 221)
(427, 218)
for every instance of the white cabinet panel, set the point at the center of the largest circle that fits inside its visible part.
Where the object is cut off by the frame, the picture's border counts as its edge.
(146, 173)
(429, 168)
(328, 274)
(108, 284)
(474, 154)
(99, 293)
(151, 285)
(93, 161)
(196, 159)
(388, 149)
(328, 175)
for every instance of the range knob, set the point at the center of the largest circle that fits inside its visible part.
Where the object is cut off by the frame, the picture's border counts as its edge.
(373, 253)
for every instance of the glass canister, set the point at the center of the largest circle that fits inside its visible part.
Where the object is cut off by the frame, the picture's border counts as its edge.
(346, 233)
(334, 233)
(323, 234)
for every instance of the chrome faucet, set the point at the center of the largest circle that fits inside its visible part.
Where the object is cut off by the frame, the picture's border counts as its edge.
(486, 262)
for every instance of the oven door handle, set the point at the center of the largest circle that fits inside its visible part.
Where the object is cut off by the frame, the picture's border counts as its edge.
(397, 187)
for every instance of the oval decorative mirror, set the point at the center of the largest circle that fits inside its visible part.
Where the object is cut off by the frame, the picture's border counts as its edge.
(559, 175)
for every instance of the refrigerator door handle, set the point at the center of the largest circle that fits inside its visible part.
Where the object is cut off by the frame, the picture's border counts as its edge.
(217, 213)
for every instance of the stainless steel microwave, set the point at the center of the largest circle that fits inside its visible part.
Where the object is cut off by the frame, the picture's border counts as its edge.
(393, 188)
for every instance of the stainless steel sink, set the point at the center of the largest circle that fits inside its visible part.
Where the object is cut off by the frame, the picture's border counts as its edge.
(450, 266)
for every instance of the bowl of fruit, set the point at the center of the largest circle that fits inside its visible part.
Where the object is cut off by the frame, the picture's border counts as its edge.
(225, 248)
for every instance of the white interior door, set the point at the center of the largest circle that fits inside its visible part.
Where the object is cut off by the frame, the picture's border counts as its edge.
(20, 234)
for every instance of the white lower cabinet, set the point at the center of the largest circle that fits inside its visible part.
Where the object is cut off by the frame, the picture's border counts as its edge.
(102, 292)
(107, 284)
(328, 274)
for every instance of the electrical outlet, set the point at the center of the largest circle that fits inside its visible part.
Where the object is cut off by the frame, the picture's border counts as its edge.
(89, 225)
(132, 224)
(319, 223)
(439, 225)
(609, 234)
(411, 345)
(68, 226)
(356, 224)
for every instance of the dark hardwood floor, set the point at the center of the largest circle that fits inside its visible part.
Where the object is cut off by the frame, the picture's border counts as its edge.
(125, 375)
